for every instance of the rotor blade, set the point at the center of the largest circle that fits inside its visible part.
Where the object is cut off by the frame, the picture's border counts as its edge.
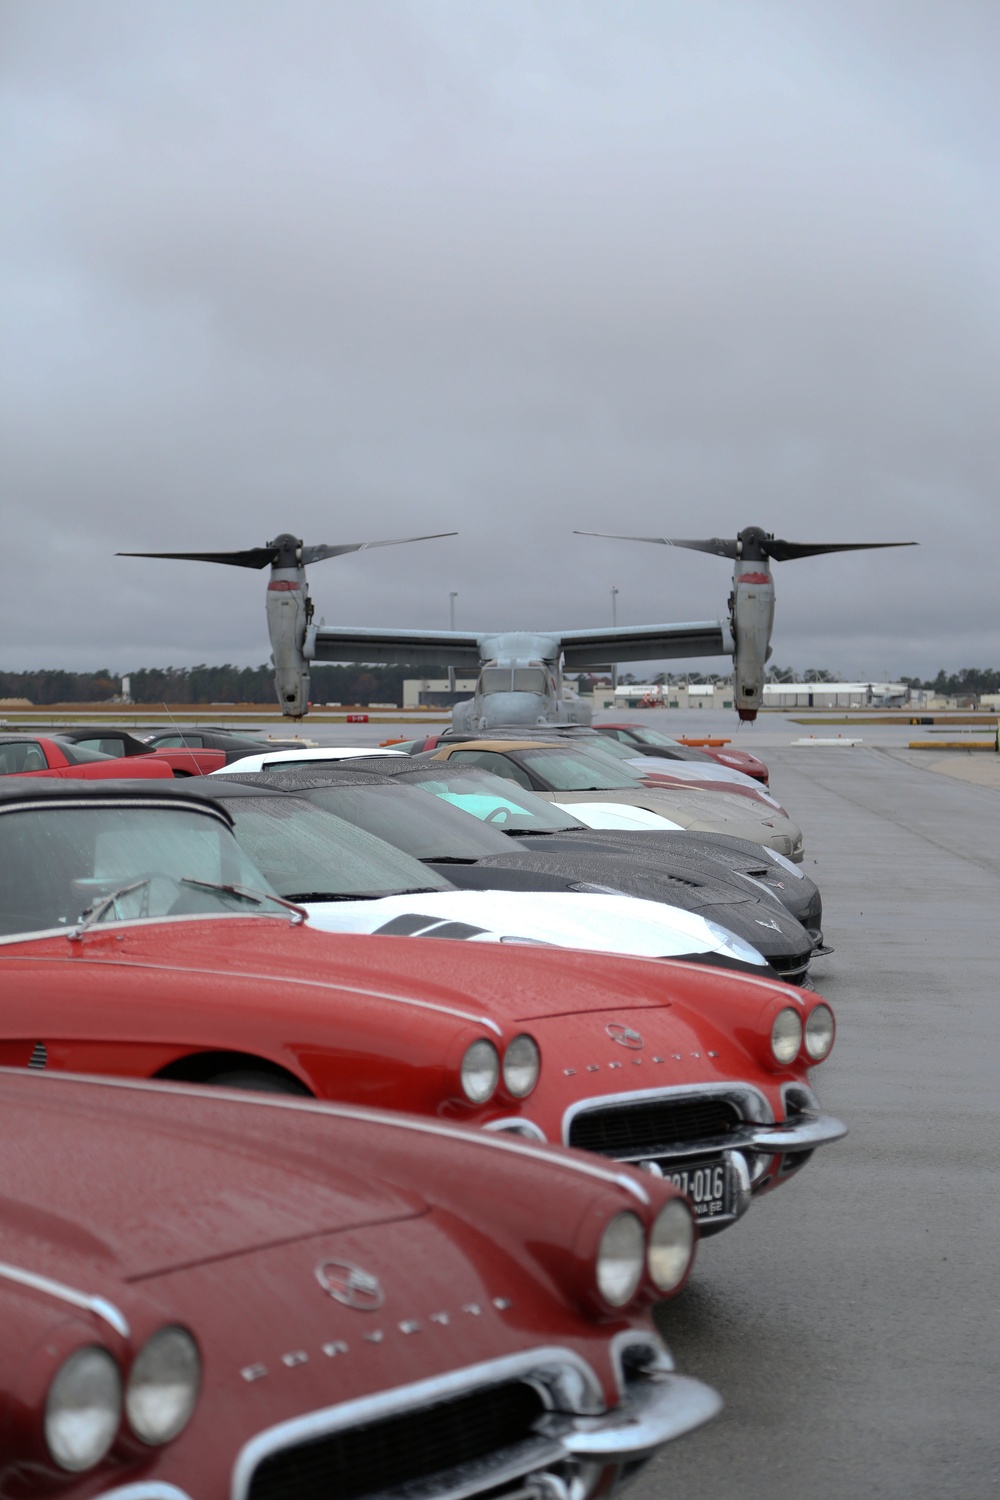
(715, 544)
(787, 551)
(317, 554)
(253, 557)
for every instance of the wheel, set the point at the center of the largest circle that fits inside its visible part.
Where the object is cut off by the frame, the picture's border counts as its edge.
(259, 1082)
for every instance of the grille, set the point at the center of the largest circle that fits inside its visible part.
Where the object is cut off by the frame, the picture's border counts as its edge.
(790, 963)
(654, 1124)
(400, 1449)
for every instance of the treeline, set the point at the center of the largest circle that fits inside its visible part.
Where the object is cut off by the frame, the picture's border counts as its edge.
(354, 684)
(969, 682)
(204, 684)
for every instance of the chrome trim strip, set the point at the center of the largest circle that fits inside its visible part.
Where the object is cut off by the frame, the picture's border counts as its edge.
(99, 1306)
(501, 1141)
(653, 1413)
(751, 1103)
(372, 1408)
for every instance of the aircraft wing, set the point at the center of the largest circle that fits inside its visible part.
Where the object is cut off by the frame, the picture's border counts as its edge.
(418, 648)
(592, 649)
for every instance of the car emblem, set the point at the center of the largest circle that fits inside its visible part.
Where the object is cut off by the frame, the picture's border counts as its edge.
(624, 1035)
(761, 923)
(350, 1285)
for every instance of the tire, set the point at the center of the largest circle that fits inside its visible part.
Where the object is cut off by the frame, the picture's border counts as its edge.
(259, 1082)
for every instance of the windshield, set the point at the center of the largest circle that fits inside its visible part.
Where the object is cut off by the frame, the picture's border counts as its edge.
(308, 854)
(411, 819)
(58, 861)
(493, 799)
(575, 771)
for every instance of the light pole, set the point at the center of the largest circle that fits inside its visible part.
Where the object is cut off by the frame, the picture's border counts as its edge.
(451, 625)
(614, 623)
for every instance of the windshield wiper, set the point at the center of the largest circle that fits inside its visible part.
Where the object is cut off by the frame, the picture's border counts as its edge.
(246, 893)
(449, 859)
(95, 911)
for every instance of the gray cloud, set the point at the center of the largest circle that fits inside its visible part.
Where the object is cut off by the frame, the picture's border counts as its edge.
(362, 270)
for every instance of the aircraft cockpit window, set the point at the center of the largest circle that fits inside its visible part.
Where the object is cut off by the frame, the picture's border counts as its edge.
(495, 680)
(530, 680)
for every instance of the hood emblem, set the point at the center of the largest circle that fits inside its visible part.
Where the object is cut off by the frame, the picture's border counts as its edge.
(624, 1035)
(768, 923)
(350, 1285)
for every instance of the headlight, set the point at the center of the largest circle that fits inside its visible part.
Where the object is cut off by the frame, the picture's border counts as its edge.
(480, 1071)
(730, 943)
(620, 1258)
(521, 1064)
(786, 1035)
(671, 1245)
(163, 1386)
(83, 1409)
(820, 1031)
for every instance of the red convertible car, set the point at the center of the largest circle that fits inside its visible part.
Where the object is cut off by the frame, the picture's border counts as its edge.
(214, 1297)
(136, 943)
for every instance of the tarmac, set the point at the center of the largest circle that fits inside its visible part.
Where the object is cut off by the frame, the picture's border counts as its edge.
(851, 1321)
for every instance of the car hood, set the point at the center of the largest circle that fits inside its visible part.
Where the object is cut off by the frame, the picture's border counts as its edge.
(606, 923)
(160, 1187)
(696, 809)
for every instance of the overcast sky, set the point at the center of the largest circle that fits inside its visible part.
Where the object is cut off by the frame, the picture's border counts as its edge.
(362, 268)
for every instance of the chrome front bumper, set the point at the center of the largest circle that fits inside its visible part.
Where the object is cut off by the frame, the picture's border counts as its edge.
(655, 1410)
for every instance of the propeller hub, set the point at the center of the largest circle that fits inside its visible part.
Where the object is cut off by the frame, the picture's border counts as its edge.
(287, 551)
(753, 542)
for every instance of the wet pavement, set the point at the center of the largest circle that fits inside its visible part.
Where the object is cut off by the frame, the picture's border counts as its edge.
(851, 1321)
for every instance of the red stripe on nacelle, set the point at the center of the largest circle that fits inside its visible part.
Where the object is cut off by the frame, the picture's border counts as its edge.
(282, 586)
(743, 578)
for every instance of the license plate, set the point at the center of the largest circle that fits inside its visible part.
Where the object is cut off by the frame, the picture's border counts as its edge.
(705, 1183)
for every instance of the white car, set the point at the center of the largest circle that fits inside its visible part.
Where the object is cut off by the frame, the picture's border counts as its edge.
(350, 881)
(252, 763)
(605, 922)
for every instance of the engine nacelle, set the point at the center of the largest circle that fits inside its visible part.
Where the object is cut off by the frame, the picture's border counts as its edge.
(752, 607)
(288, 612)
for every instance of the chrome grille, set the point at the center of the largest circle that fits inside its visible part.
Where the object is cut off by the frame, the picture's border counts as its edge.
(396, 1451)
(652, 1125)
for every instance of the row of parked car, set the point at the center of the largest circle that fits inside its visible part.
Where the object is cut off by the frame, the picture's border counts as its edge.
(407, 1243)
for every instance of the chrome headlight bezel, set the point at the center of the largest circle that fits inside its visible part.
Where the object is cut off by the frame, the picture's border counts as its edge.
(479, 1071)
(83, 1409)
(522, 1063)
(163, 1385)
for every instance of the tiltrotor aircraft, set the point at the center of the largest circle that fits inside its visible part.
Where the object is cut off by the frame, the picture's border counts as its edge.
(520, 672)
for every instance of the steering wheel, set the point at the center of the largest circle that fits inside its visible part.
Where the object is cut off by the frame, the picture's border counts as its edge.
(499, 814)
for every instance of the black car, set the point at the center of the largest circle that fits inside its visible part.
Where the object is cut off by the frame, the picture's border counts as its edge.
(515, 841)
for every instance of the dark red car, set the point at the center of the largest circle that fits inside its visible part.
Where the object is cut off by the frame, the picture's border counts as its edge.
(654, 742)
(214, 1296)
